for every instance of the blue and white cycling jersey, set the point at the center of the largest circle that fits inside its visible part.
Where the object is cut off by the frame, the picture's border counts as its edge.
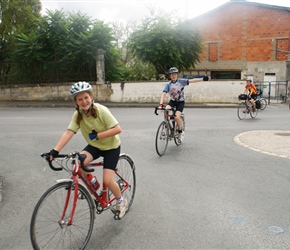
(175, 90)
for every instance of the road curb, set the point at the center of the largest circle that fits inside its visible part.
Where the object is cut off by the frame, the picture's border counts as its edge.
(270, 142)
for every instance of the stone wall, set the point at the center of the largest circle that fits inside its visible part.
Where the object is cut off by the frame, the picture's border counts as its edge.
(226, 91)
(55, 92)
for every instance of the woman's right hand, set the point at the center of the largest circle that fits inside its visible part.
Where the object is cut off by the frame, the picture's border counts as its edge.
(53, 153)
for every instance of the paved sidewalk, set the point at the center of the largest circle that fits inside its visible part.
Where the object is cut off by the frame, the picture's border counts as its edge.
(271, 142)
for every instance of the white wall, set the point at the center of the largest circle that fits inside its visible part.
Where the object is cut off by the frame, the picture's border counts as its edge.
(140, 92)
(200, 92)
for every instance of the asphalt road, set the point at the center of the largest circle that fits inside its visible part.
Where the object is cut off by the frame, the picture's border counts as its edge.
(215, 191)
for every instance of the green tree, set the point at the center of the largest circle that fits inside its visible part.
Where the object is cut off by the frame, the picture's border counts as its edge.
(16, 17)
(30, 54)
(164, 44)
(65, 46)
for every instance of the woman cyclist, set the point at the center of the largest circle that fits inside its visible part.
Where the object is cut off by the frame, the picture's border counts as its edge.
(252, 91)
(100, 129)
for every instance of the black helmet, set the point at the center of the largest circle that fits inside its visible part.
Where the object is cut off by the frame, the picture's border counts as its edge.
(172, 70)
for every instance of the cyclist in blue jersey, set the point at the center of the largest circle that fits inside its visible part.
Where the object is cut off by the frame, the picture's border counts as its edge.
(175, 89)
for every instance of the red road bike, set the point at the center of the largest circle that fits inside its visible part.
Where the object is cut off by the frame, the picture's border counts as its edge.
(63, 218)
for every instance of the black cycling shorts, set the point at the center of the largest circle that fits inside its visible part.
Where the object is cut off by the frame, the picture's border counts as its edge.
(111, 156)
(179, 105)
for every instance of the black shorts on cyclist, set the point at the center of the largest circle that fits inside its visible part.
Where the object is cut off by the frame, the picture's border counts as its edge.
(179, 105)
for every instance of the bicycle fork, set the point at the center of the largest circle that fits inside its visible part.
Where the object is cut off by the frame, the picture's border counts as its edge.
(63, 222)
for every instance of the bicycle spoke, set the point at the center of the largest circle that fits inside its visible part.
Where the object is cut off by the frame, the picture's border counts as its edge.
(263, 102)
(242, 111)
(49, 231)
(161, 140)
(125, 175)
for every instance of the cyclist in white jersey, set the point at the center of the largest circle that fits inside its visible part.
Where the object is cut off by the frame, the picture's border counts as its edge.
(175, 89)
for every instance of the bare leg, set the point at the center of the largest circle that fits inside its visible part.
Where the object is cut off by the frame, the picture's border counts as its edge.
(88, 159)
(108, 176)
(166, 112)
(178, 120)
(253, 103)
(108, 179)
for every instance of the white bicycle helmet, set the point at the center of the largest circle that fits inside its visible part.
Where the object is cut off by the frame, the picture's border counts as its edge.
(80, 87)
(172, 70)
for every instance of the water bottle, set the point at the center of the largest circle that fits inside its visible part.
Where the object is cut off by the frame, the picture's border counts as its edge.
(93, 180)
(249, 105)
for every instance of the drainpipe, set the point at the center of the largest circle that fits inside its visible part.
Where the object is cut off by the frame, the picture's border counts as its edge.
(288, 68)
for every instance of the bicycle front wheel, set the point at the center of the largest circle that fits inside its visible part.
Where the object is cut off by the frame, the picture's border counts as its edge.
(253, 114)
(161, 140)
(125, 172)
(49, 228)
(242, 110)
(263, 102)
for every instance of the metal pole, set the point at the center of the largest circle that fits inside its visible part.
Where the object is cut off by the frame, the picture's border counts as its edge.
(269, 93)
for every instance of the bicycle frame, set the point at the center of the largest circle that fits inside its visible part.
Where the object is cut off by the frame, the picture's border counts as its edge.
(169, 119)
(171, 125)
(102, 199)
(64, 215)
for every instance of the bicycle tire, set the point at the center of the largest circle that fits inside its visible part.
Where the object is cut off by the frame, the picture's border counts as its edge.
(242, 111)
(162, 137)
(176, 139)
(264, 103)
(253, 114)
(125, 171)
(183, 121)
(47, 231)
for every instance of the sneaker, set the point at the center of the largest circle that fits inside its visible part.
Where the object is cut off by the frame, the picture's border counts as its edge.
(181, 136)
(121, 207)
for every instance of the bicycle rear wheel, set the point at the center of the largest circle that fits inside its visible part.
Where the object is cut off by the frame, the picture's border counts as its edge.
(176, 139)
(183, 121)
(48, 230)
(161, 140)
(242, 110)
(263, 102)
(125, 173)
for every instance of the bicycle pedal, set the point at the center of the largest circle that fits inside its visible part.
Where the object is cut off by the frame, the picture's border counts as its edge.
(117, 215)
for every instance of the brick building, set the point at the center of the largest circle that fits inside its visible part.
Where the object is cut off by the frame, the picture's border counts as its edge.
(244, 39)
